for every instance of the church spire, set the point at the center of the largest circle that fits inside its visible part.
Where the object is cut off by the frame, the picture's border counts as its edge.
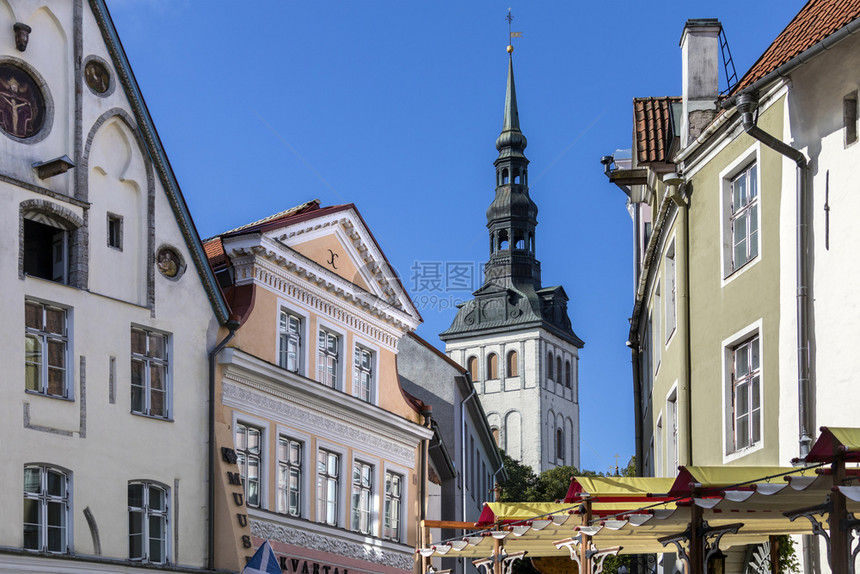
(512, 216)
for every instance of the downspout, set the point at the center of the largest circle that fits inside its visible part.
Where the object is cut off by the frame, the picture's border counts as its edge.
(472, 395)
(635, 354)
(427, 413)
(496, 489)
(747, 104)
(232, 325)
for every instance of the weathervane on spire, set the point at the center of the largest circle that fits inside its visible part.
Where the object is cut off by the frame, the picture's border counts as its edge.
(511, 35)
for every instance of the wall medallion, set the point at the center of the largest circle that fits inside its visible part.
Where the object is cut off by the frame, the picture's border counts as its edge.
(169, 262)
(97, 76)
(22, 105)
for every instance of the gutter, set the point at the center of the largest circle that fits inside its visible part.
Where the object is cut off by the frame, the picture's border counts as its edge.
(463, 469)
(232, 325)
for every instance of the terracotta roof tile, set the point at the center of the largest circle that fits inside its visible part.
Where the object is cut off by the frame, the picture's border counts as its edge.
(651, 121)
(815, 21)
(215, 253)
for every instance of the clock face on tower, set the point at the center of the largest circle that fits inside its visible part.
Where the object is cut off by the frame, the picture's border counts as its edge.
(22, 105)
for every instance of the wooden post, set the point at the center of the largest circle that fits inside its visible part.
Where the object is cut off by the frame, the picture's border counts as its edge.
(774, 555)
(840, 549)
(697, 543)
(584, 560)
(497, 556)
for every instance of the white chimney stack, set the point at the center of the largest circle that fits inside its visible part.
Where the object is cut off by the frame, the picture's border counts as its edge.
(700, 46)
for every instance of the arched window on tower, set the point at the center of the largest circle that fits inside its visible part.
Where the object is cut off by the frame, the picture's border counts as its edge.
(532, 242)
(517, 177)
(492, 366)
(519, 240)
(492, 243)
(495, 431)
(559, 444)
(567, 374)
(503, 239)
(512, 364)
(558, 369)
(472, 367)
(505, 176)
(549, 366)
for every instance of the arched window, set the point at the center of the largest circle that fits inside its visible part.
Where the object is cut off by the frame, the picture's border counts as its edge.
(558, 369)
(505, 176)
(503, 239)
(549, 365)
(559, 444)
(495, 431)
(512, 364)
(492, 366)
(472, 367)
(567, 374)
(519, 241)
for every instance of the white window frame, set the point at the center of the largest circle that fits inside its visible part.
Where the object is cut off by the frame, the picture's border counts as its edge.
(751, 156)
(657, 336)
(671, 299)
(148, 514)
(308, 465)
(341, 353)
(728, 346)
(659, 469)
(283, 505)
(44, 500)
(339, 485)
(374, 369)
(44, 337)
(148, 361)
(397, 534)
(673, 433)
(301, 338)
(366, 497)
(263, 427)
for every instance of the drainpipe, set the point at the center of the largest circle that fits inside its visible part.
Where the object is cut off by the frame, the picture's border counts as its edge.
(427, 413)
(463, 469)
(747, 104)
(232, 325)
(635, 354)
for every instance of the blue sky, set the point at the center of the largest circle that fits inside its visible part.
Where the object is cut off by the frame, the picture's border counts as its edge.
(395, 105)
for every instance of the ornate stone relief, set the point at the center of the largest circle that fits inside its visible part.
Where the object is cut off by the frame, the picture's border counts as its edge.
(317, 541)
(295, 414)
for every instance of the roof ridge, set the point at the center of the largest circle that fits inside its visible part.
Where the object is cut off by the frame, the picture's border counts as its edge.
(312, 204)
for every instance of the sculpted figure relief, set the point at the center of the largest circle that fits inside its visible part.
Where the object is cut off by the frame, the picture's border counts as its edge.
(21, 103)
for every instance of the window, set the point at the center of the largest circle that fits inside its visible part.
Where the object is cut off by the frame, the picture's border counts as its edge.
(149, 373)
(472, 367)
(362, 368)
(558, 369)
(658, 449)
(290, 342)
(492, 366)
(744, 217)
(327, 358)
(559, 444)
(671, 308)
(849, 117)
(114, 231)
(512, 367)
(362, 496)
(248, 441)
(549, 366)
(672, 409)
(46, 250)
(289, 477)
(147, 522)
(46, 349)
(657, 347)
(391, 507)
(746, 394)
(46, 509)
(327, 485)
(567, 382)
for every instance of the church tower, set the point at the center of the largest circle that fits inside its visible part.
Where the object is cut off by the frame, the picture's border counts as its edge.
(515, 336)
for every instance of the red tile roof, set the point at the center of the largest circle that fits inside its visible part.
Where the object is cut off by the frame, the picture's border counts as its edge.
(815, 21)
(215, 253)
(651, 117)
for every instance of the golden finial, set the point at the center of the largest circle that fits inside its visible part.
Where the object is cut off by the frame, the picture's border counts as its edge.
(510, 49)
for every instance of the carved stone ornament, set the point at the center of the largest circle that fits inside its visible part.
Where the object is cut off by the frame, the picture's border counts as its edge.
(22, 105)
(169, 262)
(97, 76)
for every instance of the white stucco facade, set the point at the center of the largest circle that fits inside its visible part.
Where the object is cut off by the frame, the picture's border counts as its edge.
(103, 410)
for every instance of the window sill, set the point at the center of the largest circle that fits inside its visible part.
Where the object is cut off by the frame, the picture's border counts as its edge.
(740, 453)
(33, 393)
(152, 417)
(733, 274)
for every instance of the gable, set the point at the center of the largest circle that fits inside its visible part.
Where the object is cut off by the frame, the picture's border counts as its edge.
(331, 252)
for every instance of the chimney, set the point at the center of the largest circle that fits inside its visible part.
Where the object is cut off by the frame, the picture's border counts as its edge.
(700, 45)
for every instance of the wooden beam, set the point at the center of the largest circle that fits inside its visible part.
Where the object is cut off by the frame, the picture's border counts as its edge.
(453, 524)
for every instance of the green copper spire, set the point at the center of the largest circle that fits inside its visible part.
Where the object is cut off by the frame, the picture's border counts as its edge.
(511, 141)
